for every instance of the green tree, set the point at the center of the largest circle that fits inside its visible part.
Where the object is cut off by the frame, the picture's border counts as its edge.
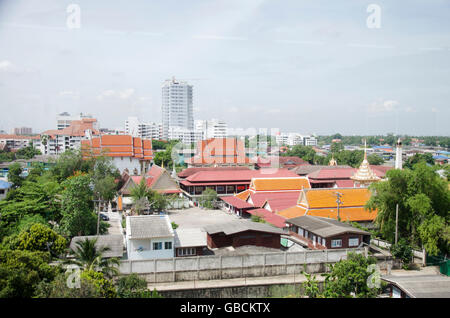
(133, 286)
(336, 147)
(311, 286)
(103, 285)
(78, 217)
(41, 238)
(27, 152)
(21, 271)
(58, 288)
(14, 175)
(307, 153)
(208, 198)
(375, 159)
(139, 195)
(68, 163)
(349, 278)
(417, 158)
(402, 251)
(424, 204)
(90, 257)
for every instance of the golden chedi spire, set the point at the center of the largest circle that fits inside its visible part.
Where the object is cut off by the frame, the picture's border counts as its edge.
(364, 176)
(333, 161)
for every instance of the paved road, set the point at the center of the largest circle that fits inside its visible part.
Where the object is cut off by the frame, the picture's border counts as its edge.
(114, 222)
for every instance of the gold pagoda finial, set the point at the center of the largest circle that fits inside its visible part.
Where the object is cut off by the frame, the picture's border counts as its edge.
(333, 161)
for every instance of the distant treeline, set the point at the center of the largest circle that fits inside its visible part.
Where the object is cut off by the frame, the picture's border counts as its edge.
(389, 139)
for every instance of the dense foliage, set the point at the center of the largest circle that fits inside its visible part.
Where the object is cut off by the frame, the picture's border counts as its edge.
(424, 204)
(356, 276)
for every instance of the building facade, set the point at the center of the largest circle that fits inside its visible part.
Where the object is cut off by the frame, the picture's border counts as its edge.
(213, 128)
(177, 106)
(136, 128)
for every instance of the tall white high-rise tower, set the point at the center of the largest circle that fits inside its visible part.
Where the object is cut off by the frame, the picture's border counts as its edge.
(177, 106)
(398, 155)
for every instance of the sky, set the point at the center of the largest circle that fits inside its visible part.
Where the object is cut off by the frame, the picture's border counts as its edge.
(306, 66)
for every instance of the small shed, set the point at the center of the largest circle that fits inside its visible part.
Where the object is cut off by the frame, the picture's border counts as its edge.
(327, 233)
(113, 242)
(243, 232)
(190, 242)
(418, 286)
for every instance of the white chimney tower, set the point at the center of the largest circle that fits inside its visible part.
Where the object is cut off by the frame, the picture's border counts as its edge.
(398, 155)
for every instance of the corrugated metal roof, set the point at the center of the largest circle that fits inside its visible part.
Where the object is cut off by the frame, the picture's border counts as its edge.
(241, 226)
(190, 237)
(114, 242)
(422, 286)
(149, 226)
(324, 227)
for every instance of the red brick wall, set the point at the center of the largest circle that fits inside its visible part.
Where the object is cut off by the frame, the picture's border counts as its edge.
(344, 238)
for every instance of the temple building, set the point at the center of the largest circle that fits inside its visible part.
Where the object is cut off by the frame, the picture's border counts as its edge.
(364, 176)
(324, 203)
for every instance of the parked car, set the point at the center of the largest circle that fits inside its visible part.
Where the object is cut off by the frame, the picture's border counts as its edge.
(104, 217)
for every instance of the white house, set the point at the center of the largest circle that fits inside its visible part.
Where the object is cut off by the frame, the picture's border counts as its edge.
(149, 237)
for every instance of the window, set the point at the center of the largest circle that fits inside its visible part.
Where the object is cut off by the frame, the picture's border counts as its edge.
(336, 243)
(167, 245)
(157, 245)
(353, 241)
(188, 251)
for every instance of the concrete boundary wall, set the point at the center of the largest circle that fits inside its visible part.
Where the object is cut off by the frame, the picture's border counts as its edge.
(387, 245)
(235, 266)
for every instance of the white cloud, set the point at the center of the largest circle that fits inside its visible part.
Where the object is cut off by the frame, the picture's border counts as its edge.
(273, 111)
(126, 93)
(434, 110)
(219, 37)
(71, 94)
(6, 66)
(122, 94)
(383, 106)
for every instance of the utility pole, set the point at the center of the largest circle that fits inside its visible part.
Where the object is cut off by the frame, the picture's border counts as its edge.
(339, 202)
(396, 223)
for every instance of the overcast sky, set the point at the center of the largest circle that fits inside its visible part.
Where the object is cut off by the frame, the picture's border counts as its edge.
(301, 66)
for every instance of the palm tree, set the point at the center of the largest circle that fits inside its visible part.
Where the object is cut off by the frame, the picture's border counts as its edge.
(139, 195)
(89, 257)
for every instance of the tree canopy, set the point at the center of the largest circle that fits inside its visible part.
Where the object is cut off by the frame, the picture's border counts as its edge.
(424, 204)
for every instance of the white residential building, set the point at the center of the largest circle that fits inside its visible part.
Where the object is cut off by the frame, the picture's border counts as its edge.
(149, 237)
(186, 136)
(55, 142)
(293, 139)
(177, 106)
(213, 128)
(309, 141)
(136, 128)
(64, 120)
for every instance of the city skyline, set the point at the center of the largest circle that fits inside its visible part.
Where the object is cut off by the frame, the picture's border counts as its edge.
(303, 67)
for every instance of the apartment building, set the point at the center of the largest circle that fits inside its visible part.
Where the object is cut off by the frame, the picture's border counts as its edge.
(177, 106)
(136, 128)
(64, 119)
(55, 142)
(213, 128)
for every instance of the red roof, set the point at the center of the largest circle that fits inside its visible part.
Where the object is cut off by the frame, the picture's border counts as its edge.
(238, 175)
(76, 128)
(119, 146)
(190, 171)
(236, 202)
(269, 217)
(277, 200)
